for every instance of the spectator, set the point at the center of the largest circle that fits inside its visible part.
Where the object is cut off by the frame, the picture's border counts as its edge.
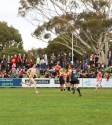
(91, 60)
(8, 68)
(67, 65)
(30, 63)
(45, 59)
(109, 56)
(96, 58)
(32, 57)
(62, 60)
(47, 74)
(0, 67)
(13, 67)
(19, 63)
(69, 57)
(74, 60)
(8, 60)
(53, 58)
(24, 60)
(51, 64)
(38, 62)
(3, 62)
(81, 65)
(85, 59)
(80, 74)
(42, 66)
(58, 59)
(6, 75)
(77, 65)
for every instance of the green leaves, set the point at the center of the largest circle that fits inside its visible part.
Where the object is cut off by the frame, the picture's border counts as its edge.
(88, 20)
(9, 35)
(12, 51)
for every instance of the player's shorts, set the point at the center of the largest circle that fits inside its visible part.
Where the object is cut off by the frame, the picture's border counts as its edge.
(61, 80)
(99, 83)
(74, 81)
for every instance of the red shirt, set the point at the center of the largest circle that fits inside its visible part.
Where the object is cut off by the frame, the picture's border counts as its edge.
(99, 75)
(57, 67)
(16, 59)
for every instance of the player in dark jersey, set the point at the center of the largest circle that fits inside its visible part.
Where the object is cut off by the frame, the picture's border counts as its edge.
(74, 80)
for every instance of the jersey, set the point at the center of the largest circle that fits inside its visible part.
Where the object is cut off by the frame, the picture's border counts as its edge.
(61, 78)
(74, 75)
(99, 76)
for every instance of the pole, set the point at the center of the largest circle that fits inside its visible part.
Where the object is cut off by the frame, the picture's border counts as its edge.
(72, 47)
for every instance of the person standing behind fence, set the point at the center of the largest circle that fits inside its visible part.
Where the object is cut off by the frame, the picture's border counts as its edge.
(109, 56)
(38, 62)
(24, 60)
(53, 58)
(19, 60)
(74, 80)
(45, 59)
(69, 57)
(85, 59)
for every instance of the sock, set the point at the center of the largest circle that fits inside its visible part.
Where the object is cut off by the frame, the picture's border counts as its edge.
(61, 90)
(68, 88)
(78, 91)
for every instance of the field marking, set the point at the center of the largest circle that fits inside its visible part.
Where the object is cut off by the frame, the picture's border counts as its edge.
(58, 106)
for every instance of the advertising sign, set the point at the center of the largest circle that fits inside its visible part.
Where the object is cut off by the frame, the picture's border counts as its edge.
(40, 81)
(10, 82)
(91, 82)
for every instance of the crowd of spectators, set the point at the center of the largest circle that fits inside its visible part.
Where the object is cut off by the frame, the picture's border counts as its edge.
(17, 65)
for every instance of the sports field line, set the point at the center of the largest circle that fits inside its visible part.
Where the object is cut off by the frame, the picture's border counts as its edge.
(57, 106)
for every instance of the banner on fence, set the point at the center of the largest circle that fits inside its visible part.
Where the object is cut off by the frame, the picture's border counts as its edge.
(91, 82)
(40, 82)
(46, 82)
(10, 82)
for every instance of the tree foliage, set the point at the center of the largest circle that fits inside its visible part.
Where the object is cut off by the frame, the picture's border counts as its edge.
(57, 48)
(9, 36)
(87, 20)
(36, 52)
(12, 51)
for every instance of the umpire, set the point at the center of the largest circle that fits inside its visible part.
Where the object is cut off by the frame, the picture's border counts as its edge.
(74, 80)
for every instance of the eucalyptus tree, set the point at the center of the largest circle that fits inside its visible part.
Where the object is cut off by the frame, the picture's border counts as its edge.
(86, 23)
(10, 37)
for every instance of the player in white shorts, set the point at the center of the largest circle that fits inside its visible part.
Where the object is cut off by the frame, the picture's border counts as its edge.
(99, 80)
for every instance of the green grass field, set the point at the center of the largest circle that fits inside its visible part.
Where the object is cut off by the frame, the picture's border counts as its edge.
(21, 106)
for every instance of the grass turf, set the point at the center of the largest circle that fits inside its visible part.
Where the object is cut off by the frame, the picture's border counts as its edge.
(21, 106)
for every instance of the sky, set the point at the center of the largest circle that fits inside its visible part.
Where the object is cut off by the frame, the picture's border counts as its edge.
(9, 14)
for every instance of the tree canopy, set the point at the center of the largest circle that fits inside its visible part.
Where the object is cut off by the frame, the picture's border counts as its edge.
(9, 36)
(87, 20)
(57, 48)
(12, 51)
